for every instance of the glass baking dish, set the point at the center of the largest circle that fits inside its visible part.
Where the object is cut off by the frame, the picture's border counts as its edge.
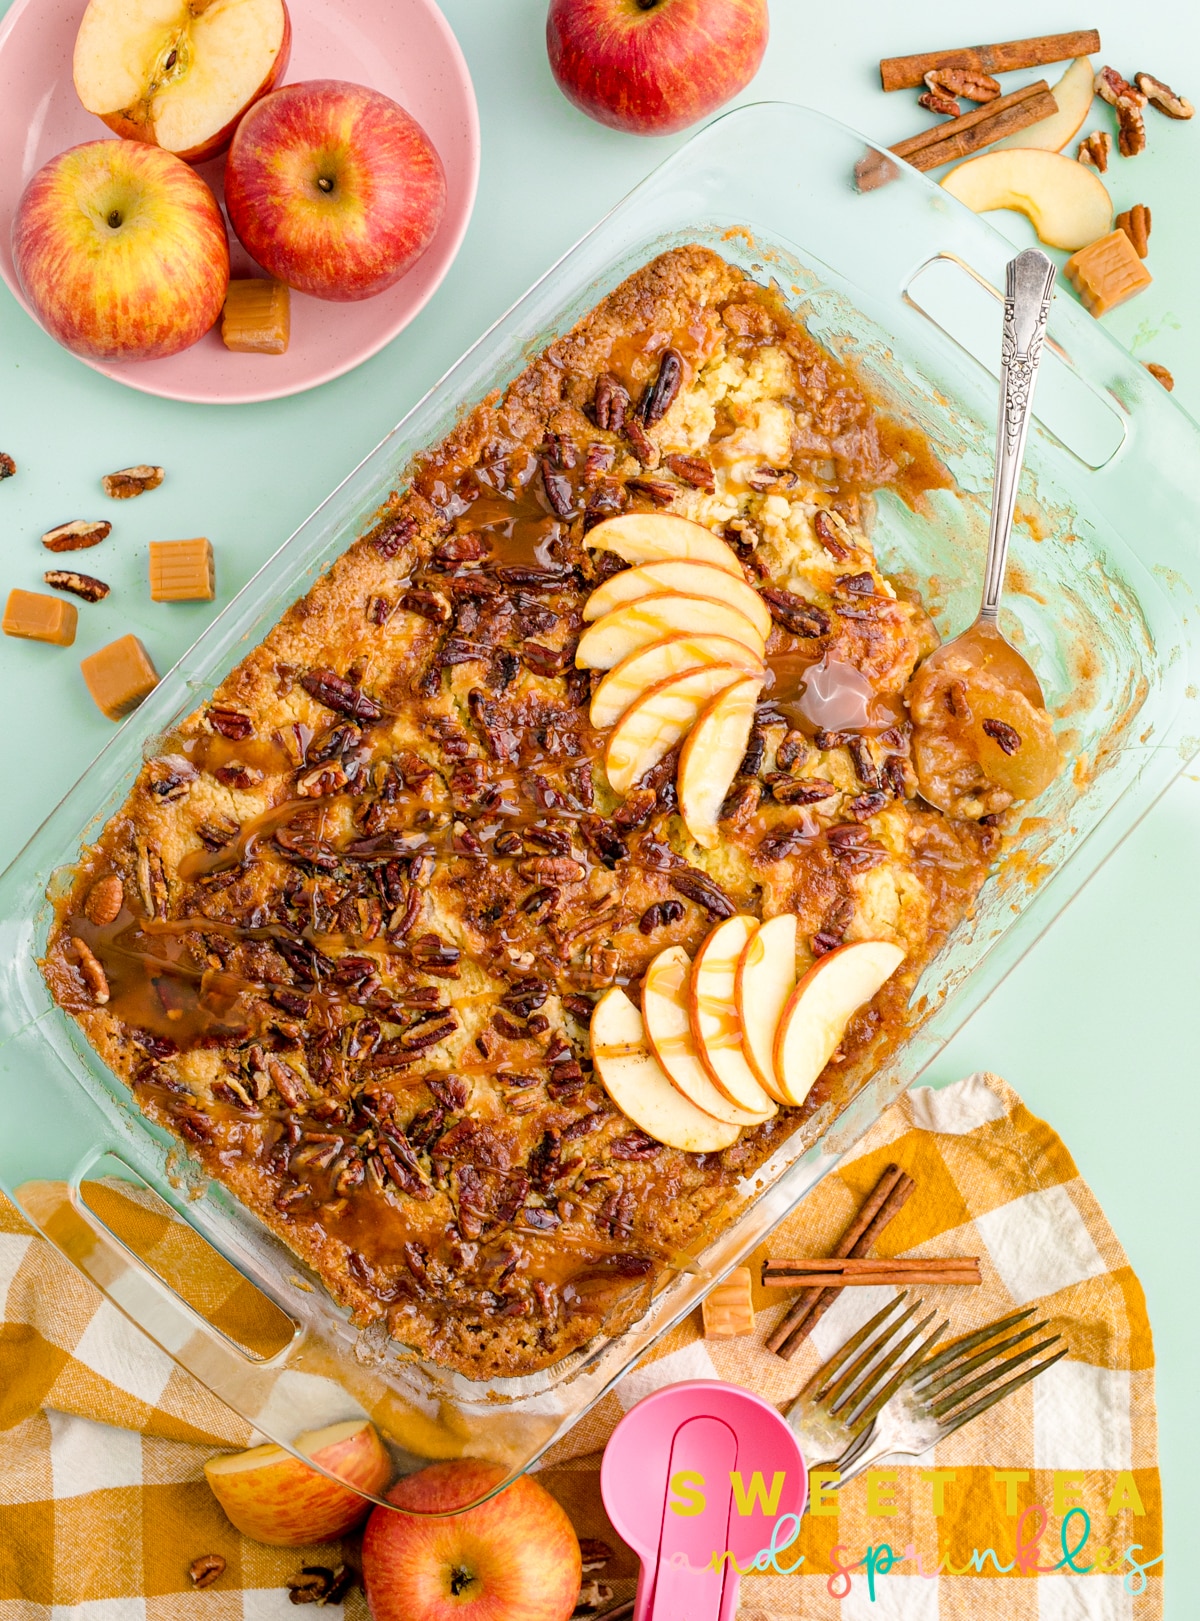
(900, 280)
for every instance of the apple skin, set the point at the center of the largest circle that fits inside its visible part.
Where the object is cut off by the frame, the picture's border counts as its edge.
(514, 1558)
(387, 195)
(149, 287)
(272, 1497)
(656, 66)
(130, 129)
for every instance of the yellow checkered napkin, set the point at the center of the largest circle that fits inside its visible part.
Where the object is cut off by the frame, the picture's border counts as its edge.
(103, 1503)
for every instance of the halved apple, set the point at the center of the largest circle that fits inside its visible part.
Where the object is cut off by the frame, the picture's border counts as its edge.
(654, 723)
(177, 73)
(657, 537)
(713, 1011)
(272, 1497)
(634, 1080)
(689, 580)
(1066, 203)
(765, 979)
(822, 1005)
(1073, 93)
(640, 671)
(637, 624)
(709, 760)
(665, 1013)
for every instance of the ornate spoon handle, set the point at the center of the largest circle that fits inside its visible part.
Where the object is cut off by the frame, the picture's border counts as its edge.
(1029, 284)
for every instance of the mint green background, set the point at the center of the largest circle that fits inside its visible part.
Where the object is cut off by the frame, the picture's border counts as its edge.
(1096, 1027)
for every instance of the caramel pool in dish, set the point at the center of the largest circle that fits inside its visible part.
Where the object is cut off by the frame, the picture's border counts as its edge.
(369, 894)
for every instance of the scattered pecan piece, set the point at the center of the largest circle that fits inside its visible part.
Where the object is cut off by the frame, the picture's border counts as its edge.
(1161, 373)
(1135, 222)
(963, 82)
(830, 530)
(104, 900)
(1094, 150)
(7, 466)
(394, 535)
(639, 441)
(230, 723)
(655, 490)
(86, 586)
(547, 661)
(659, 916)
(799, 790)
(697, 886)
(93, 973)
(379, 610)
(1004, 735)
(772, 478)
(321, 1584)
(1127, 101)
(206, 1570)
(340, 695)
(237, 775)
(660, 396)
(938, 101)
(596, 1553)
(1161, 95)
(639, 807)
(552, 869)
(611, 403)
(693, 470)
(795, 613)
(864, 806)
(127, 482)
(76, 536)
(637, 1145)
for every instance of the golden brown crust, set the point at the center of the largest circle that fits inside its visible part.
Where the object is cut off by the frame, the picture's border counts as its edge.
(372, 887)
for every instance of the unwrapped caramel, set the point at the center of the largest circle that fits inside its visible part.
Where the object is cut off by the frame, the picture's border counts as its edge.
(1107, 272)
(119, 676)
(728, 1311)
(257, 317)
(39, 618)
(181, 571)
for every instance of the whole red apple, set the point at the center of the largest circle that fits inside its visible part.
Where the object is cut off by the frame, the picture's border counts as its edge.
(121, 250)
(514, 1558)
(333, 188)
(654, 66)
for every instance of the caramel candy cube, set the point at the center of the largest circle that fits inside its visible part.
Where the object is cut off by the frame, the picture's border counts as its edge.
(728, 1310)
(1107, 272)
(257, 317)
(40, 618)
(181, 571)
(119, 676)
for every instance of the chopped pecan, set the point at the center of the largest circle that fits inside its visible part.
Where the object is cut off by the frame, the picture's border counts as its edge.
(604, 840)
(697, 886)
(8, 467)
(1005, 736)
(426, 603)
(611, 403)
(340, 695)
(127, 482)
(317, 783)
(1135, 222)
(394, 535)
(558, 490)
(660, 915)
(546, 661)
(656, 492)
(638, 808)
(554, 841)
(797, 615)
(206, 1570)
(637, 1145)
(552, 869)
(465, 548)
(321, 1584)
(104, 900)
(1127, 101)
(640, 442)
(379, 610)
(660, 396)
(451, 1091)
(1161, 373)
(93, 974)
(237, 775)
(792, 751)
(539, 1218)
(1111, 87)
(598, 460)
(938, 101)
(694, 470)
(542, 899)
(288, 1082)
(763, 479)
(865, 768)
(864, 806)
(963, 82)
(1094, 149)
(830, 530)
(1161, 95)
(86, 586)
(436, 956)
(76, 536)
(799, 790)
(230, 723)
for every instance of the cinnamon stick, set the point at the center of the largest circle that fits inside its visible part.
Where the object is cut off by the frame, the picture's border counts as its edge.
(869, 1271)
(959, 137)
(906, 72)
(884, 1200)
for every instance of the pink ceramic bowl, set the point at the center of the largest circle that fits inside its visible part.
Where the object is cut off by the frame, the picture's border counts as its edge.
(403, 47)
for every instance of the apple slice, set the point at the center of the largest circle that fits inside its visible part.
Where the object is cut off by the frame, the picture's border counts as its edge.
(272, 1497)
(1073, 93)
(1066, 203)
(633, 1079)
(665, 1012)
(657, 537)
(654, 723)
(640, 671)
(689, 580)
(709, 760)
(822, 1005)
(178, 74)
(716, 1027)
(637, 624)
(765, 979)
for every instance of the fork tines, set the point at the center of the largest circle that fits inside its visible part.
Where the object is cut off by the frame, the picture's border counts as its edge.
(942, 1384)
(853, 1387)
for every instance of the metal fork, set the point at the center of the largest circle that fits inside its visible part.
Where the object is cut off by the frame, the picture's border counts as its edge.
(941, 1395)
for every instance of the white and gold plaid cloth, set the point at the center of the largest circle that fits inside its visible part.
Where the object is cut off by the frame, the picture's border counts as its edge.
(103, 1503)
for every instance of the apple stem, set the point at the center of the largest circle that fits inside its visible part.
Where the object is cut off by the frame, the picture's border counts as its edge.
(325, 183)
(114, 219)
(460, 1580)
(646, 5)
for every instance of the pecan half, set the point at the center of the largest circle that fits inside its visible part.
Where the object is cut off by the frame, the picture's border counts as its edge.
(127, 482)
(640, 442)
(659, 916)
(1161, 373)
(206, 1570)
(938, 101)
(7, 466)
(340, 695)
(1003, 735)
(86, 586)
(1094, 150)
(1161, 95)
(93, 973)
(697, 886)
(104, 900)
(394, 535)
(795, 613)
(963, 82)
(320, 1584)
(76, 536)
(830, 530)
(655, 490)
(693, 470)
(799, 790)
(1127, 101)
(660, 396)
(611, 403)
(231, 723)
(551, 869)
(1135, 222)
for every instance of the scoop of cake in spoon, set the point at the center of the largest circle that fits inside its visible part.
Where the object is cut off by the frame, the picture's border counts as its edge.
(982, 737)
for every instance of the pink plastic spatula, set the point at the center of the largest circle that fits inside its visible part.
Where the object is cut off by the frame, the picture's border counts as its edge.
(678, 1448)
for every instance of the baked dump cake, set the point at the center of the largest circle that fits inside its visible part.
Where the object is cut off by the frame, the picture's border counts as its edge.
(346, 935)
